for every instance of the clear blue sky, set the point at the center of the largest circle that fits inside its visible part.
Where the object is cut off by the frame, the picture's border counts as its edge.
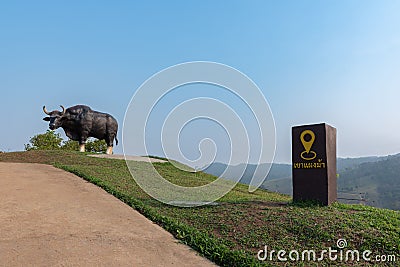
(315, 61)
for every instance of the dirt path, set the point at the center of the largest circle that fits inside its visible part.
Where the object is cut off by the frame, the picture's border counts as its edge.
(49, 217)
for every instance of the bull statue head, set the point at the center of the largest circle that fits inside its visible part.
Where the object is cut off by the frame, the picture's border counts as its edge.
(54, 117)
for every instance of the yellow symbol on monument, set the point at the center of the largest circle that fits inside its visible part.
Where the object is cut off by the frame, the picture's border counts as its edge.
(307, 154)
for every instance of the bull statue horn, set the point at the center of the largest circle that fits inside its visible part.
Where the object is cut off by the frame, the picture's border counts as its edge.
(63, 109)
(45, 110)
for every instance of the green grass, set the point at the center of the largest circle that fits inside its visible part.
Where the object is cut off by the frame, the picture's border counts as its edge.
(231, 233)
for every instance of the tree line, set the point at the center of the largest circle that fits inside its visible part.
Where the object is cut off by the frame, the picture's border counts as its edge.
(51, 140)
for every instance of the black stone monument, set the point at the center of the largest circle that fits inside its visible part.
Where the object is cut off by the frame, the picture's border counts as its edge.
(314, 163)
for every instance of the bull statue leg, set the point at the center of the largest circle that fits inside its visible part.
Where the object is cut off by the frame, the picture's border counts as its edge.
(82, 148)
(82, 141)
(110, 142)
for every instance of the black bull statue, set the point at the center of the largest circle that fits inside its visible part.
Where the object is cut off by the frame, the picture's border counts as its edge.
(81, 122)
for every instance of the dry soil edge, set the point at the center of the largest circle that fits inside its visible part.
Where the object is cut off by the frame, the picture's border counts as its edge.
(50, 217)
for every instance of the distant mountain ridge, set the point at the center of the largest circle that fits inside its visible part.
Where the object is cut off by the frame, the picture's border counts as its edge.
(376, 177)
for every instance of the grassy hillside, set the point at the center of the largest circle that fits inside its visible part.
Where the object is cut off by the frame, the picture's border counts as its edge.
(376, 178)
(232, 233)
(381, 181)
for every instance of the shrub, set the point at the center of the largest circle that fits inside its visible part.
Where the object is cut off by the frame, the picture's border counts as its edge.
(96, 146)
(47, 141)
(70, 145)
(53, 141)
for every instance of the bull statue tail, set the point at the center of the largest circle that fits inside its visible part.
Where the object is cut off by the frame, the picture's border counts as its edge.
(116, 141)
